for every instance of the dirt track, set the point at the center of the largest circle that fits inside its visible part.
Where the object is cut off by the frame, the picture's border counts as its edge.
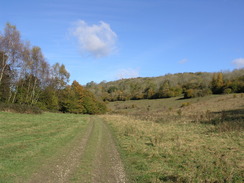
(92, 157)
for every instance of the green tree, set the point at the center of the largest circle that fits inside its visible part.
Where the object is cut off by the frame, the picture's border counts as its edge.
(165, 90)
(149, 92)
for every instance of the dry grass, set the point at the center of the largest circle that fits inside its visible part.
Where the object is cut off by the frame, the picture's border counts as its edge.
(198, 142)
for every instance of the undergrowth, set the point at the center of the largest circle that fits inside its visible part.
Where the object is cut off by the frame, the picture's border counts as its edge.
(20, 108)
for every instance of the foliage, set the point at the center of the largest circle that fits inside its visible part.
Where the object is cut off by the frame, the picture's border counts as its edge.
(192, 85)
(27, 78)
(80, 101)
(192, 93)
(20, 108)
(217, 83)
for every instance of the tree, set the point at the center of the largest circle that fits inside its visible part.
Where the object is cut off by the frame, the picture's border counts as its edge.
(76, 99)
(10, 49)
(150, 91)
(5, 86)
(217, 83)
(165, 90)
(60, 76)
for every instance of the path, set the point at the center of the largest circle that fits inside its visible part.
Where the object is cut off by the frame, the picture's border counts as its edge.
(93, 158)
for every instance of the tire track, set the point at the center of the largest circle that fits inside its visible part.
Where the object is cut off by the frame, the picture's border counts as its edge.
(60, 169)
(108, 167)
(92, 158)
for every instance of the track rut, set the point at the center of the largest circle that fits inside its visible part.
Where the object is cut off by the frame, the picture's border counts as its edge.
(92, 157)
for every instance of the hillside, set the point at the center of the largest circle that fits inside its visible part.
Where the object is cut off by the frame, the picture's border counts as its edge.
(171, 85)
(175, 140)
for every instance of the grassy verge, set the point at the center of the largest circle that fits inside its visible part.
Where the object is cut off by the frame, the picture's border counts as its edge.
(198, 142)
(178, 152)
(27, 141)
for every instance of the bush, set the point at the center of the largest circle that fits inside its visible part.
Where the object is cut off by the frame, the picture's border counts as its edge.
(185, 104)
(227, 91)
(192, 93)
(20, 108)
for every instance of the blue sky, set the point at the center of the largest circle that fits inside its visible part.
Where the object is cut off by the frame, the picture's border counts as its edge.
(111, 39)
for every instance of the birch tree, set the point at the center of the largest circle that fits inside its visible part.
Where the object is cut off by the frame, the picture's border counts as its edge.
(10, 48)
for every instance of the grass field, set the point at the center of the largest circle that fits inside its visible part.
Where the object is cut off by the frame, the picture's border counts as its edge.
(27, 141)
(166, 140)
(174, 140)
(57, 148)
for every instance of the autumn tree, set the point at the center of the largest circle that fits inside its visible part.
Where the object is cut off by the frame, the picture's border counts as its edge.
(217, 83)
(77, 99)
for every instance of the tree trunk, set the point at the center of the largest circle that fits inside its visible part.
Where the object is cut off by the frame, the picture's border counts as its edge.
(28, 90)
(33, 92)
(1, 74)
(10, 96)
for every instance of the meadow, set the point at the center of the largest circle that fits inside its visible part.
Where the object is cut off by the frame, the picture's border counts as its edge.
(27, 141)
(163, 140)
(175, 140)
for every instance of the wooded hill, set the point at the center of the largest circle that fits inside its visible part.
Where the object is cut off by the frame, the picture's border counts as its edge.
(190, 85)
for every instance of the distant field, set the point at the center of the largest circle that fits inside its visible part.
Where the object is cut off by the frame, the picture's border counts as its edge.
(27, 141)
(166, 104)
(174, 140)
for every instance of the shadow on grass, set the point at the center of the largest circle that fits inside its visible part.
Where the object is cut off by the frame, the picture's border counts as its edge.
(230, 120)
(182, 98)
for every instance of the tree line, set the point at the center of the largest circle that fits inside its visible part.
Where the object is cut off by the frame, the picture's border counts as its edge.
(187, 85)
(27, 78)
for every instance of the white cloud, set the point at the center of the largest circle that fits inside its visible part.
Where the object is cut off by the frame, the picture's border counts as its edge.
(97, 40)
(127, 73)
(239, 62)
(183, 61)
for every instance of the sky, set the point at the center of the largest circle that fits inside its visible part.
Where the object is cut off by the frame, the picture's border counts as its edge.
(106, 40)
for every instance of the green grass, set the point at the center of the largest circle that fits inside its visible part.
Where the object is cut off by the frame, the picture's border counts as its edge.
(27, 141)
(84, 171)
(201, 143)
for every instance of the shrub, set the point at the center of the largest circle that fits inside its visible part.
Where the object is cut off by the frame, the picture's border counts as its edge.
(227, 91)
(185, 104)
(190, 93)
(20, 108)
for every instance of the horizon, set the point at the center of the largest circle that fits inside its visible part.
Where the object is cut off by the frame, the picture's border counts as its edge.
(107, 40)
